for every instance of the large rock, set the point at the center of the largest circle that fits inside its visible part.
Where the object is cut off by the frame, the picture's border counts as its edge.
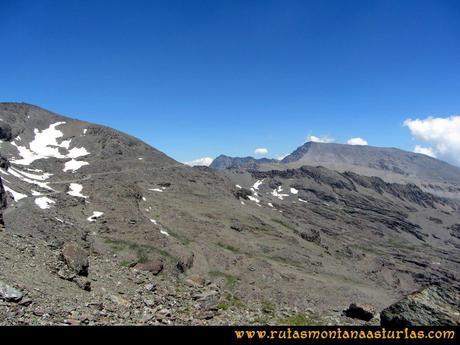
(185, 262)
(76, 258)
(152, 266)
(431, 306)
(9, 293)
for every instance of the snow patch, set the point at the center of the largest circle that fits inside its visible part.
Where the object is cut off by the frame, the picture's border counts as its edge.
(16, 195)
(44, 202)
(305, 201)
(294, 191)
(95, 216)
(164, 232)
(75, 190)
(45, 145)
(156, 190)
(74, 165)
(257, 184)
(277, 193)
(238, 186)
(253, 199)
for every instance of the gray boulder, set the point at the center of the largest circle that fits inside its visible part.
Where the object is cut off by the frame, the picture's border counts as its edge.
(9, 293)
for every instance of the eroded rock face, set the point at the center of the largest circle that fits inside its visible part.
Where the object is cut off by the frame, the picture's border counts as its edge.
(76, 258)
(431, 306)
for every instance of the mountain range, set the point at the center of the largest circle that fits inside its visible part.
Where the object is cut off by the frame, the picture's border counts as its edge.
(101, 228)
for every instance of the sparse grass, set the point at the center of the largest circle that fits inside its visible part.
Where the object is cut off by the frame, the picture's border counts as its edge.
(183, 240)
(287, 261)
(230, 280)
(399, 243)
(228, 247)
(297, 320)
(280, 222)
(141, 251)
(231, 301)
(268, 307)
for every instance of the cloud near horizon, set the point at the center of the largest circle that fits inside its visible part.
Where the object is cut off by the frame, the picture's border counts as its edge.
(200, 161)
(424, 150)
(357, 141)
(261, 151)
(441, 133)
(322, 139)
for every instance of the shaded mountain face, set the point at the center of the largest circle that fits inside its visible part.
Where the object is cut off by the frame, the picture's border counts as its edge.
(231, 246)
(225, 162)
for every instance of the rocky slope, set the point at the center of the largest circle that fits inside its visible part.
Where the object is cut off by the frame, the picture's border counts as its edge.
(101, 228)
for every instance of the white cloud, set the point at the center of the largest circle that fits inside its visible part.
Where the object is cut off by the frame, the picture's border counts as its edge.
(356, 141)
(442, 133)
(424, 150)
(200, 161)
(261, 151)
(322, 139)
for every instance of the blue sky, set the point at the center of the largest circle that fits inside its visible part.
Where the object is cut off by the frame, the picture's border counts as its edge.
(201, 78)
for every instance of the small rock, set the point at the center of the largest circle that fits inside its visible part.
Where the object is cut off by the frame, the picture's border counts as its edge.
(83, 283)
(150, 287)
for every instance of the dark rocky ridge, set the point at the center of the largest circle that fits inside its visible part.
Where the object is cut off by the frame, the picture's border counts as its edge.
(223, 162)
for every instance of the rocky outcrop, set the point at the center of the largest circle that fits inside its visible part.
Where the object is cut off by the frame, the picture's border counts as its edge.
(5, 132)
(431, 306)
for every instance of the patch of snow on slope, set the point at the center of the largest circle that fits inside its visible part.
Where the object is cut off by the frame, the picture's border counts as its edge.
(74, 165)
(164, 232)
(45, 145)
(294, 191)
(16, 195)
(44, 202)
(75, 190)
(17, 174)
(95, 216)
(156, 190)
(257, 184)
(253, 199)
(277, 193)
(238, 186)
(41, 177)
(153, 221)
